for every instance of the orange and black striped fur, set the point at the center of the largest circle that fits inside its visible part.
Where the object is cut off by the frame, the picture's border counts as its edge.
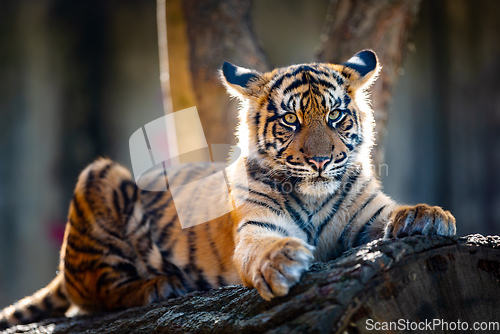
(306, 132)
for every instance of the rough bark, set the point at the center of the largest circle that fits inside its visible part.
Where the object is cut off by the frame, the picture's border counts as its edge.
(219, 31)
(384, 26)
(415, 278)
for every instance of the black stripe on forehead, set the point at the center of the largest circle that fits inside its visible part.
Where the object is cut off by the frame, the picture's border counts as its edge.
(334, 100)
(328, 75)
(338, 78)
(296, 84)
(272, 107)
(323, 101)
(313, 81)
(279, 81)
(285, 106)
(305, 102)
(326, 84)
(311, 69)
(290, 103)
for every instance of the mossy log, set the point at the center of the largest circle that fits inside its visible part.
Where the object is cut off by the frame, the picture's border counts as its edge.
(415, 279)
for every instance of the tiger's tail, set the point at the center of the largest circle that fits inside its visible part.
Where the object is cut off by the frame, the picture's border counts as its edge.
(48, 302)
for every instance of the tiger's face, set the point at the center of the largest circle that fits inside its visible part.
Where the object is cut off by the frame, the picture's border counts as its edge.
(306, 120)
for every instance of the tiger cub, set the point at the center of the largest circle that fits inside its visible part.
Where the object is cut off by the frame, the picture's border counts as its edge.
(305, 132)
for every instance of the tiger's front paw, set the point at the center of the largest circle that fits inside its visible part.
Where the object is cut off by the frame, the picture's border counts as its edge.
(281, 266)
(421, 219)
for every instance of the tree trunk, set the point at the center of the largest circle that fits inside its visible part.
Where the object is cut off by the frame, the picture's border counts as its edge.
(218, 31)
(415, 279)
(384, 26)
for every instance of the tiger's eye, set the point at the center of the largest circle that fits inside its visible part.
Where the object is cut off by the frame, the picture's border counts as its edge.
(334, 115)
(290, 118)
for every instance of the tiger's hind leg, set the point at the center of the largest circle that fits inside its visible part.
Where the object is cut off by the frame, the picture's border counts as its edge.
(109, 259)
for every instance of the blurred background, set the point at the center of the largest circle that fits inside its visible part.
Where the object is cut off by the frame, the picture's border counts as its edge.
(77, 78)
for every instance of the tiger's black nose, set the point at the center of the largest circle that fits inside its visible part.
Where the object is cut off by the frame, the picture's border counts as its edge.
(319, 162)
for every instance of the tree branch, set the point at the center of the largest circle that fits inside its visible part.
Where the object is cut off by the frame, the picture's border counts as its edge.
(414, 278)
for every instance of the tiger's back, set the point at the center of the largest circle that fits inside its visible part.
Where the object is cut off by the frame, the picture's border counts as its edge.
(148, 256)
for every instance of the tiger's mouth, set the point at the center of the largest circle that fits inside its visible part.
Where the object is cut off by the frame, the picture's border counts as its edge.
(305, 174)
(320, 178)
(318, 185)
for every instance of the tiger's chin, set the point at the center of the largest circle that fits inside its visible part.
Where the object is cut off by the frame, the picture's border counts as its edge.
(318, 186)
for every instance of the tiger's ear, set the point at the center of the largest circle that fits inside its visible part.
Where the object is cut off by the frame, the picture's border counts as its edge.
(240, 81)
(366, 67)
